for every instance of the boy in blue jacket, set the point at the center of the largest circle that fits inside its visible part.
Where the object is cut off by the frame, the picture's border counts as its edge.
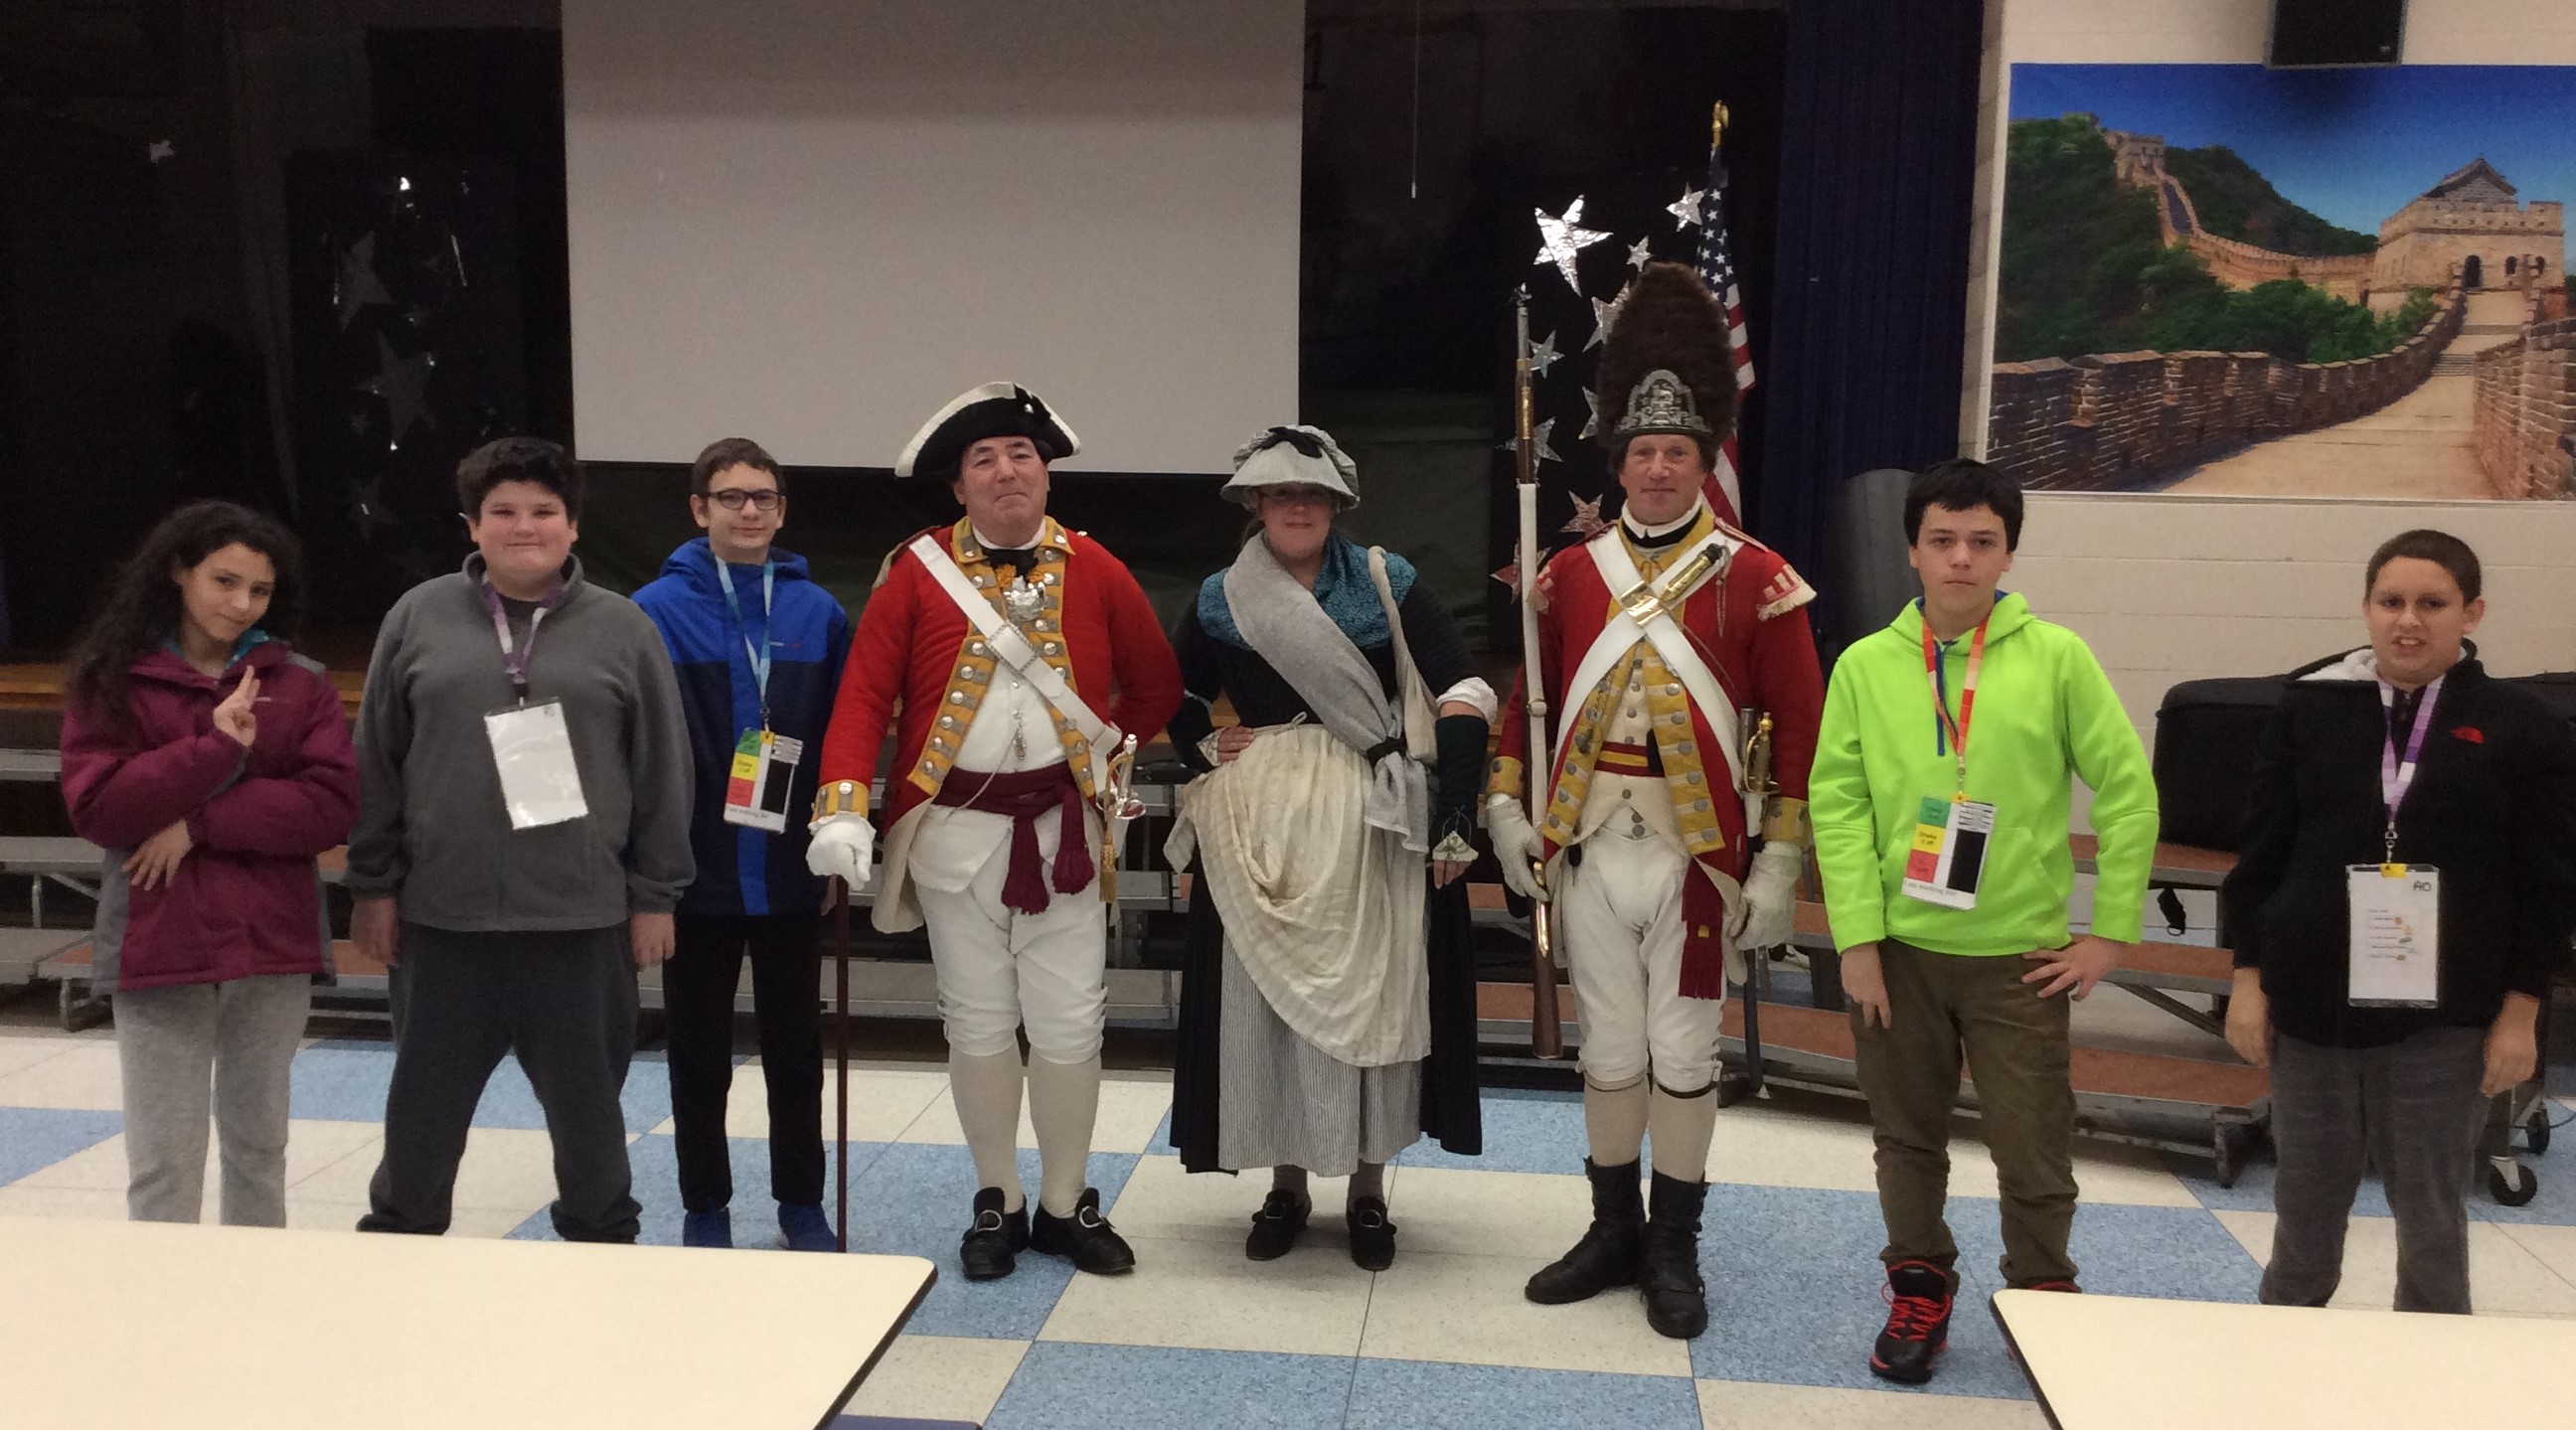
(758, 649)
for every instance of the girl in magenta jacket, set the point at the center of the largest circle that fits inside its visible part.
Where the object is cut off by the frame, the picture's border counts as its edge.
(213, 764)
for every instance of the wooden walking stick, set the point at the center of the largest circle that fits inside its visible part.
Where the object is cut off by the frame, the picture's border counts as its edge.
(841, 1057)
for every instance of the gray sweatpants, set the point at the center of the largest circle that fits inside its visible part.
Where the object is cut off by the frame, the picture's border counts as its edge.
(2412, 1108)
(223, 1048)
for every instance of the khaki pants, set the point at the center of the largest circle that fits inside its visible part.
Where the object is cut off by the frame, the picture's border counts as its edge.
(1944, 1005)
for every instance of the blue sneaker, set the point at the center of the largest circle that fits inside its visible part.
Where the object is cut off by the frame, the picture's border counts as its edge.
(805, 1229)
(713, 1228)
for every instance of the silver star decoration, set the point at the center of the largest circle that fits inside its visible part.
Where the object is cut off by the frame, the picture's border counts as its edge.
(1539, 434)
(160, 149)
(1560, 238)
(1686, 210)
(1591, 416)
(367, 507)
(1543, 354)
(1639, 255)
(1586, 520)
(401, 382)
(1603, 315)
(358, 286)
(1510, 576)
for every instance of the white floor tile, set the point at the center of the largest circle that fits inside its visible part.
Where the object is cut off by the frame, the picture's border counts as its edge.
(1163, 1202)
(1806, 1143)
(85, 1203)
(2552, 1246)
(939, 1378)
(505, 1169)
(1455, 1212)
(1131, 1107)
(882, 1103)
(83, 1078)
(1756, 1405)
(1470, 1310)
(311, 1146)
(1203, 1295)
(22, 1050)
(2506, 1278)
(305, 1214)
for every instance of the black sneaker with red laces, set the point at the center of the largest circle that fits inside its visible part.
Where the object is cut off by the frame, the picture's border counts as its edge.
(1918, 1323)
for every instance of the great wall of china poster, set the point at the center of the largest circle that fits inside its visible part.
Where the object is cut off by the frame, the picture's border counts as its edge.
(2228, 280)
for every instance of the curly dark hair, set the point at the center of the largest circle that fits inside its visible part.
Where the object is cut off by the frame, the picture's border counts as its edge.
(142, 604)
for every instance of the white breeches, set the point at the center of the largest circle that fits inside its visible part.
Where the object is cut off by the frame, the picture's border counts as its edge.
(1621, 917)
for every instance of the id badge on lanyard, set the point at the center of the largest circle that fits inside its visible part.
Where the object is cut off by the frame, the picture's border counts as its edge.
(1946, 858)
(764, 772)
(764, 762)
(2395, 958)
(531, 741)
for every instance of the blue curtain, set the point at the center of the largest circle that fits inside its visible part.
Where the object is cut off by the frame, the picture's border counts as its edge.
(1869, 298)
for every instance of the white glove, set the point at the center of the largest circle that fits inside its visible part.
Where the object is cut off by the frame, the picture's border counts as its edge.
(1767, 917)
(844, 845)
(1516, 845)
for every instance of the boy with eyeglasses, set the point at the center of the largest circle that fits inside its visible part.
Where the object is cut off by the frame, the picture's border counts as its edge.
(758, 649)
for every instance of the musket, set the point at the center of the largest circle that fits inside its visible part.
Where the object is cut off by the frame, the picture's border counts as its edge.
(1547, 1036)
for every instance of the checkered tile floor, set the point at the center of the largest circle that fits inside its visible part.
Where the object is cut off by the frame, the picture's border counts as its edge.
(1200, 1336)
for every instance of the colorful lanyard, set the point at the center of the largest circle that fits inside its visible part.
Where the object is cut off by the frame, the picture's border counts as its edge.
(759, 653)
(2397, 774)
(514, 658)
(1955, 732)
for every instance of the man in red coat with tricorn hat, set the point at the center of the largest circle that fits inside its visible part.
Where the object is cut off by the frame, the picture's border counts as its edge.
(1017, 661)
(1685, 692)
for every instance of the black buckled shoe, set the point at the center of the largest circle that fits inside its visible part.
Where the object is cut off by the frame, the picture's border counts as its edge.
(1607, 1255)
(1668, 1266)
(1918, 1323)
(1276, 1227)
(1372, 1235)
(991, 1246)
(1085, 1238)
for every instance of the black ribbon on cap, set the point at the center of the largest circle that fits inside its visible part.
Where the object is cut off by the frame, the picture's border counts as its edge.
(1306, 443)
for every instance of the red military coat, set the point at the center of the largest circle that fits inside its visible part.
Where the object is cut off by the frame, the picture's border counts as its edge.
(916, 663)
(1749, 624)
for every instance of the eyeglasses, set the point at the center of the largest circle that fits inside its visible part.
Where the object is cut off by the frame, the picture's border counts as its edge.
(736, 498)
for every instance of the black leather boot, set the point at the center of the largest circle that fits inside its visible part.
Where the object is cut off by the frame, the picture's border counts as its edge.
(1607, 1254)
(990, 1249)
(1668, 1270)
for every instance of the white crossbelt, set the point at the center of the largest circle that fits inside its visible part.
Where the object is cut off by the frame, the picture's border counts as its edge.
(1623, 630)
(1012, 648)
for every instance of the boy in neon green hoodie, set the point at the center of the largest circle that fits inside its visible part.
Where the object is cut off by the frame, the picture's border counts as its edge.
(1943, 773)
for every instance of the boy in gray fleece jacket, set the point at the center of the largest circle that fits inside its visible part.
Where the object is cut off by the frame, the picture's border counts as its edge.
(505, 940)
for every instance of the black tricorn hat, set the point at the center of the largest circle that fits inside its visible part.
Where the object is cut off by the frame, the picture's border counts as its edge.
(1667, 325)
(996, 409)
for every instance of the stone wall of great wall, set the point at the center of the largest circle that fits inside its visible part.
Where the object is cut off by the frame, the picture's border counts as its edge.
(2526, 406)
(2115, 420)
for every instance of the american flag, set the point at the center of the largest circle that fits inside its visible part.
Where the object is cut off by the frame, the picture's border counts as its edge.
(1717, 270)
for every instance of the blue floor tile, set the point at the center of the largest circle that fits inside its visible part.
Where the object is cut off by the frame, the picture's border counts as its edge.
(2168, 1252)
(1067, 1386)
(1540, 1132)
(1424, 1395)
(656, 1162)
(34, 1138)
(344, 1081)
(1793, 1291)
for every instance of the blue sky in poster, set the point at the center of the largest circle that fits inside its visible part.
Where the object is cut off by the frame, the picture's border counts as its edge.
(2351, 145)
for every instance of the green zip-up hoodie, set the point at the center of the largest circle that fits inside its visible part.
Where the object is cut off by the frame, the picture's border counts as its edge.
(2044, 711)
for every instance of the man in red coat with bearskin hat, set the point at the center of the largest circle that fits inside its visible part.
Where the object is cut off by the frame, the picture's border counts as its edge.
(1014, 658)
(1676, 653)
